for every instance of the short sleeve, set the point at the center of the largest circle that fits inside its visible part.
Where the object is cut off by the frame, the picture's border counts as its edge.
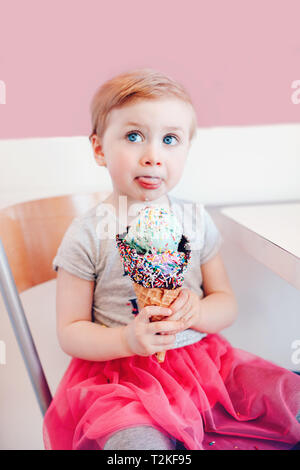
(76, 253)
(212, 239)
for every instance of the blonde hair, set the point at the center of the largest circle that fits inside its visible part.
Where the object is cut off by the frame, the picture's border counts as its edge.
(131, 86)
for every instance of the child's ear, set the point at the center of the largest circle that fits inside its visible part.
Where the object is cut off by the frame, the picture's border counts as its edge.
(97, 149)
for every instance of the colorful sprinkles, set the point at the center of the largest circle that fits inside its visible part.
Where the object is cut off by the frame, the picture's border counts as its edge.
(164, 270)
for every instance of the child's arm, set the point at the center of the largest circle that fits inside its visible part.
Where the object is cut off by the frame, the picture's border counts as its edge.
(219, 306)
(80, 337)
(217, 310)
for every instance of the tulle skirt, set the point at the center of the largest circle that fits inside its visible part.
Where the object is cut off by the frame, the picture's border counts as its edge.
(207, 395)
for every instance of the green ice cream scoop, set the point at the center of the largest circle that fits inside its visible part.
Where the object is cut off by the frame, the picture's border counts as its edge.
(155, 230)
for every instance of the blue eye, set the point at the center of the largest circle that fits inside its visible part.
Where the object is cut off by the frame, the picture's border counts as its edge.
(132, 134)
(169, 137)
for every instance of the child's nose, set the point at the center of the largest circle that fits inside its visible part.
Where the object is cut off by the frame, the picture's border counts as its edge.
(150, 162)
(151, 157)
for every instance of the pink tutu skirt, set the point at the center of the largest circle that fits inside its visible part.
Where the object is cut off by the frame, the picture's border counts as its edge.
(207, 395)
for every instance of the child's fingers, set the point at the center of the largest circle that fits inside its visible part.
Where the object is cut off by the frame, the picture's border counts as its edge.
(165, 327)
(181, 313)
(147, 312)
(167, 340)
(180, 301)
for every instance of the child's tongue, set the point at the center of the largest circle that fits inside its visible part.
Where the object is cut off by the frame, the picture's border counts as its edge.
(149, 179)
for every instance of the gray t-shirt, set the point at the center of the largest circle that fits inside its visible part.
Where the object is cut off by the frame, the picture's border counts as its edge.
(89, 250)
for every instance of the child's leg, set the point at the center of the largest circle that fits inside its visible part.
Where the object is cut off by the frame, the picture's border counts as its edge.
(139, 438)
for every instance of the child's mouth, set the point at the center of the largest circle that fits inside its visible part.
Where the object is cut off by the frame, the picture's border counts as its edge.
(149, 182)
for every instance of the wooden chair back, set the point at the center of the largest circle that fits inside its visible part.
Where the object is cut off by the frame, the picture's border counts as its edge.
(30, 234)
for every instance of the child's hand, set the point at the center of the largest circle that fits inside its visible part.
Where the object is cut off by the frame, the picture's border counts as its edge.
(186, 307)
(143, 336)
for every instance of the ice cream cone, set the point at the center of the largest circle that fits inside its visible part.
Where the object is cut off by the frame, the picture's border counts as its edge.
(155, 254)
(155, 296)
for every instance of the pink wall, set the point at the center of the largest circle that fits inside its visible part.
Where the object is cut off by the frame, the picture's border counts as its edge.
(237, 58)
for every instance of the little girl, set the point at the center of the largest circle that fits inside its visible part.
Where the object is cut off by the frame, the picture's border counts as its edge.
(115, 394)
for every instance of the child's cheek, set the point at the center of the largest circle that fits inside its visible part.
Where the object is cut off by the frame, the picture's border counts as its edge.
(118, 170)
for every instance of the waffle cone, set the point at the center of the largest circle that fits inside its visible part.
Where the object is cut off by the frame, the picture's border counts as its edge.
(155, 296)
